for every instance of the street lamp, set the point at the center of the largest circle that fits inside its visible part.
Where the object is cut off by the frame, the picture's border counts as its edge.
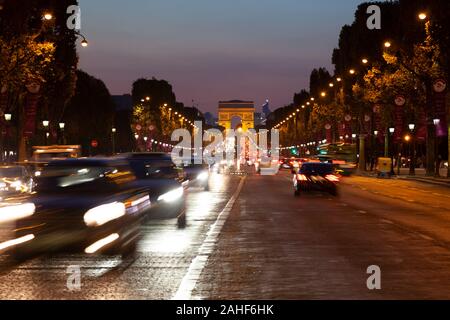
(411, 126)
(375, 132)
(387, 44)
(8, 116)
(45, 123)
(365, 61)
(352, 71)
(113, 138)
(422, 16)
(48, 16)
(388, 146)
(62, 125)
(437, 172)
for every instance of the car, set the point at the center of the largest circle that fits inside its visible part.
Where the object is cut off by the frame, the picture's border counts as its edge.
(315, 176)
(164, 182)
(81, 205)
(197, 175)
(14, 179)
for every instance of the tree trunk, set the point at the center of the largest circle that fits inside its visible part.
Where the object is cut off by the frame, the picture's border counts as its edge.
(362, 153)
(21, 141)
(431, 131)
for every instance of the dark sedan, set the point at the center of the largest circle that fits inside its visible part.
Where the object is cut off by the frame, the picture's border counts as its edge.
(89, 205)
(164, 182)
(315, 176)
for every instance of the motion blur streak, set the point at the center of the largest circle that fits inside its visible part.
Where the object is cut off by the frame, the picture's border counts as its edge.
(101, 243)
(15, 212)
(172, 196)
(102, 214)
(15, 242)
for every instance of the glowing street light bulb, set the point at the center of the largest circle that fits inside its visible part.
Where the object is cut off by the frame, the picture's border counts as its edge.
(48, 16)
(365, 61)
(352, 71)
(331, 85)
(387, 44)
(339, 79)
(323, 94)
(422, 16)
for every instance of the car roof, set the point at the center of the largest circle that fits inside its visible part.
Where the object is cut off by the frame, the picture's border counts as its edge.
(145, 155)
(88, 162)
(12, 167)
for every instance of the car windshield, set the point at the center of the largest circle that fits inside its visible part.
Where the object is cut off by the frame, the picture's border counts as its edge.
(316, 168)
(12, 172)
(80, 178)
(154, 168)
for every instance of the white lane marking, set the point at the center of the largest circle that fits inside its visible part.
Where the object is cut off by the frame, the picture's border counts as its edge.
(197, 265)
(387, 221)
(424, 236)
(362, 211)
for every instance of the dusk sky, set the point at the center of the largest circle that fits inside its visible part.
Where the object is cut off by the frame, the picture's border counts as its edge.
(211, 50)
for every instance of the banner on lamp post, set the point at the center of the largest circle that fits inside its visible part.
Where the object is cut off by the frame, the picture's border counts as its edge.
(31, 103)
(439, 103)
(400, 102)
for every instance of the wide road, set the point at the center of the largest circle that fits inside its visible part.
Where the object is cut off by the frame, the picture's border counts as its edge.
(250, 238)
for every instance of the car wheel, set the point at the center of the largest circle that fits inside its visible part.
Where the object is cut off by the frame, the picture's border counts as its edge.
(181, 221)
(129, 250)
(334, 192)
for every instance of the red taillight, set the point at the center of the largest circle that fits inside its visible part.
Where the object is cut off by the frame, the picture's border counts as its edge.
(301, 177)
(332, 177)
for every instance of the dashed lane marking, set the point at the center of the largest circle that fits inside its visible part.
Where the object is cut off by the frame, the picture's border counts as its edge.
(197, 265)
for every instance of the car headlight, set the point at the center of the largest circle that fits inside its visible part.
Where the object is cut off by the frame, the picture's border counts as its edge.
(203, 176)
(2, 185)
(102, 214)
(16, 211)
(171, 196)
(16, 184)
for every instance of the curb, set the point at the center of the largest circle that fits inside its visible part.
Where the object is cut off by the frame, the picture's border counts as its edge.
(410, 178)
(425, 180)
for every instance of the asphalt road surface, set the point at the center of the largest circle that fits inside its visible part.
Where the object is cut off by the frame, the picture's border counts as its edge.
(250, 238)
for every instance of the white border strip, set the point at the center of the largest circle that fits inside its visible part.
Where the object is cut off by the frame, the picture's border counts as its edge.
(197, 265)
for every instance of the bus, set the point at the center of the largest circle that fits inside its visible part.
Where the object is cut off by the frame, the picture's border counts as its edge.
(47, 153)
(343, 155)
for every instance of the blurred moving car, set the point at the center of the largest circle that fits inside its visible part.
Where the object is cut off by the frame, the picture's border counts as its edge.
(14, 179)
(163, 181)
(88, 205)
(315, 176)
(197, 175)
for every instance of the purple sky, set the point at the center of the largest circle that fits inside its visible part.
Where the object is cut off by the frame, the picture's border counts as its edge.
(211, 50)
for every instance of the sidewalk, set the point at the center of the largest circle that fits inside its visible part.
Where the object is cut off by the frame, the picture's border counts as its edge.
(420, 176)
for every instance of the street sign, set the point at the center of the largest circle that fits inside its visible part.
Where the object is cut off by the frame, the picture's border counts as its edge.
(400, 100)
(439, 85)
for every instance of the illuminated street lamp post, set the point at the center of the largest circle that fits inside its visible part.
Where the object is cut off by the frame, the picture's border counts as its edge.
(391, 133)
(62, 125)
(8, 118)
(113, 138)
(46, 123)
(437, 173)
(412, 161)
